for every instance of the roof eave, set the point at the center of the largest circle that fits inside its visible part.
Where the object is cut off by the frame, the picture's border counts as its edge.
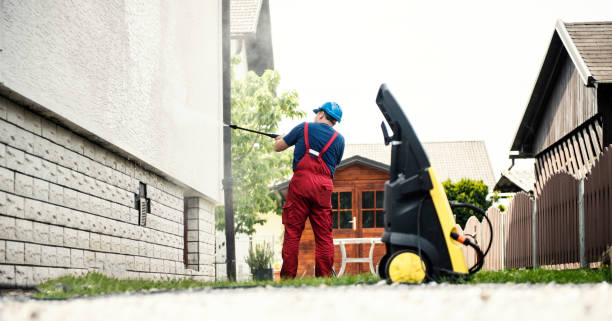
(572, 50)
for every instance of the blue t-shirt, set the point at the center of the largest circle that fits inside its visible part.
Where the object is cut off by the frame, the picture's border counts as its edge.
(318, 136)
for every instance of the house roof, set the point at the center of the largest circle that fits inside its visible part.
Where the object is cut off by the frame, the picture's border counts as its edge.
(516, 181)
(244, 16)
(593, 40)
(589, 46)
(452, 160)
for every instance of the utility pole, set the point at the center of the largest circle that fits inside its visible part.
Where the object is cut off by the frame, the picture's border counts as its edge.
(228, 181)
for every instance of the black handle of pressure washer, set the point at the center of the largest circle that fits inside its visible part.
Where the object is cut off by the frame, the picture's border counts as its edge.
(254, 131)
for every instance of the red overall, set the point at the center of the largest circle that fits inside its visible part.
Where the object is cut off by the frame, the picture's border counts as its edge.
(309, 196)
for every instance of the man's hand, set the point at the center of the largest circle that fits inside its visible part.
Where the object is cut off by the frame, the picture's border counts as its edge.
(279, 143)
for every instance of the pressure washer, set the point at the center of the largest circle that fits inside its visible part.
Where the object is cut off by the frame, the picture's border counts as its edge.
(420, 235)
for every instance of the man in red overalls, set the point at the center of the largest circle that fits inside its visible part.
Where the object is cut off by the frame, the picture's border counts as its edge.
(318, 150)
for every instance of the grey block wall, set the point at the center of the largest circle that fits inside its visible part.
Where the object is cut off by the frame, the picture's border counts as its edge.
(67, 206)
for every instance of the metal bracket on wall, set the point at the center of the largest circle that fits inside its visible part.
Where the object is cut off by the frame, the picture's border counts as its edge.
(143, 204)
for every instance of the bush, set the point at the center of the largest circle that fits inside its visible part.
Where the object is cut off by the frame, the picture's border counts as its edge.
(467, 191)
(260, 257)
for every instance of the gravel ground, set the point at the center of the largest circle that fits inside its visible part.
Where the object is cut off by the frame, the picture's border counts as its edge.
(423, 302)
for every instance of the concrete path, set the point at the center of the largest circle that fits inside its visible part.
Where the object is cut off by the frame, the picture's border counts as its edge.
(376, 302)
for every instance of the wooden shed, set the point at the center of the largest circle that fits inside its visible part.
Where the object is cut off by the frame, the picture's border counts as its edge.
(357, 199)
(568, 119)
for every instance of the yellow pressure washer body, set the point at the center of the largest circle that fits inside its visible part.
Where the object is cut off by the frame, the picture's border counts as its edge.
(419, 228)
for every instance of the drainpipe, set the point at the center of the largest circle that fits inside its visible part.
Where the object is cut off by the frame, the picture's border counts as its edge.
(228, 181)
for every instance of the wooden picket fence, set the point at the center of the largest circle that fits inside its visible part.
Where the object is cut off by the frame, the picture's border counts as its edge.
(567, 225)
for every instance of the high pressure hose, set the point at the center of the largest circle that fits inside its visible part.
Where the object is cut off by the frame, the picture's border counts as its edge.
(464, 240)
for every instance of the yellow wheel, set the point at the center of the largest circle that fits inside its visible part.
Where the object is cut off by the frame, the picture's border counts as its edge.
(406, 266)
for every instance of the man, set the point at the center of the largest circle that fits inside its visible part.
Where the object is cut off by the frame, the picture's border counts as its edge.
(318, 150)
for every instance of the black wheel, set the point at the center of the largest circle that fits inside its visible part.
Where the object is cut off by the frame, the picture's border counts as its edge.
(382, 266)
(406, 266)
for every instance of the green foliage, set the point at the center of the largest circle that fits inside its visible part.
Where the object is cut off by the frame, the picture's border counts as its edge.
(467, 191)
(259, 257)
(255, 166)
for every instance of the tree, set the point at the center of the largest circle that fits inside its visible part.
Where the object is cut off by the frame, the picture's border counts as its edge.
(255, 166)
(467, 191)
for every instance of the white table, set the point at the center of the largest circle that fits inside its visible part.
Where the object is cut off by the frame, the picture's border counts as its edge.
(342, 242)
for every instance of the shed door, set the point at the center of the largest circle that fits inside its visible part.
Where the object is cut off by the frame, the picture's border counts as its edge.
(345, 224)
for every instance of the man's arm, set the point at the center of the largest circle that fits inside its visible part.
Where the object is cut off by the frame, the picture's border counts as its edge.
(279, 143)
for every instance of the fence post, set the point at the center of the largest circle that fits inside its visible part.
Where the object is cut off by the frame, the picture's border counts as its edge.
(534, 231)
(581, 227)
(503, 241)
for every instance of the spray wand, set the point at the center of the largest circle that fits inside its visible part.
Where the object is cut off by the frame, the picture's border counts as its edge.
(252, 131)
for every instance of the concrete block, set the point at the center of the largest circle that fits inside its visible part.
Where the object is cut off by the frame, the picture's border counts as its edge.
(32, 165)
(52, 213)
(32, 122)
(4, 106)
(63, 257)
(24, 230)
(115, 244)
(41, 190)
(89, 259)
(77, 258)
(15, 159)
(65, 216)
(15, 252)
(70, 237)
(40, 274)
(56, 194)
(105, 243)
(83, 239)
(33, 210)
(103, 262)
(33, 254)
(7, 180)
(70, 198)
(106, 207)
(7, 275)
(84, 202)
(56, 235)
(49, 130)
(49, 171)
(2, 154)
(94, 242)
(24, 276)
(2, 251)
(24, 185)
(41, 233)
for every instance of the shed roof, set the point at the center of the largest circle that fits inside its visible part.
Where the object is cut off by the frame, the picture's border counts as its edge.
(452, 160)
(516, 181)
(244, 16)
(589, 46)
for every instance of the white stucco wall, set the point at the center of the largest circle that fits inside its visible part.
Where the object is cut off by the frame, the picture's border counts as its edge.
(144, 76)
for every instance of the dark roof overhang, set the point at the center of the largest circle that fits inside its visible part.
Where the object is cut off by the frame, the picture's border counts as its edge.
(561, 46)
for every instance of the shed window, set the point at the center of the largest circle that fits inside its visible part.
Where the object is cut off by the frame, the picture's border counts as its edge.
(342, 210)
(372, 214)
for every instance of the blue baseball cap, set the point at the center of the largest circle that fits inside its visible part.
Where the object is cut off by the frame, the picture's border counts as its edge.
(332, 109)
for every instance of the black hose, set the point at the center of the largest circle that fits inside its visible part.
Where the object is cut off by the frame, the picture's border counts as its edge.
(480, 255)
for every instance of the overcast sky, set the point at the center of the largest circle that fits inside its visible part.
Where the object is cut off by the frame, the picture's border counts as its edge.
(461, 70)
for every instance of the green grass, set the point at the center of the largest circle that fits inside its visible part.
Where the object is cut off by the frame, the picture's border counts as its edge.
(542, 276)
(96, 284)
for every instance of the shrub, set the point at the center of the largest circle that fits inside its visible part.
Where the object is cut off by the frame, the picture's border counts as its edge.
(260, 257)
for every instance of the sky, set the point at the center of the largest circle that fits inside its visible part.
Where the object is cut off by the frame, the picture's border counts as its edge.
(461, 70)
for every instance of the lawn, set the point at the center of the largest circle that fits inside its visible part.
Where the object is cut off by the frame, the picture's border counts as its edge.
(96, 284)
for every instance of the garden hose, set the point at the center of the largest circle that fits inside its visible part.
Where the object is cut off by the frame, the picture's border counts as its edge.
(466, 241)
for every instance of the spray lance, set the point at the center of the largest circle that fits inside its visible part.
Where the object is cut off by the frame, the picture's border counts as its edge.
(252, 131)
